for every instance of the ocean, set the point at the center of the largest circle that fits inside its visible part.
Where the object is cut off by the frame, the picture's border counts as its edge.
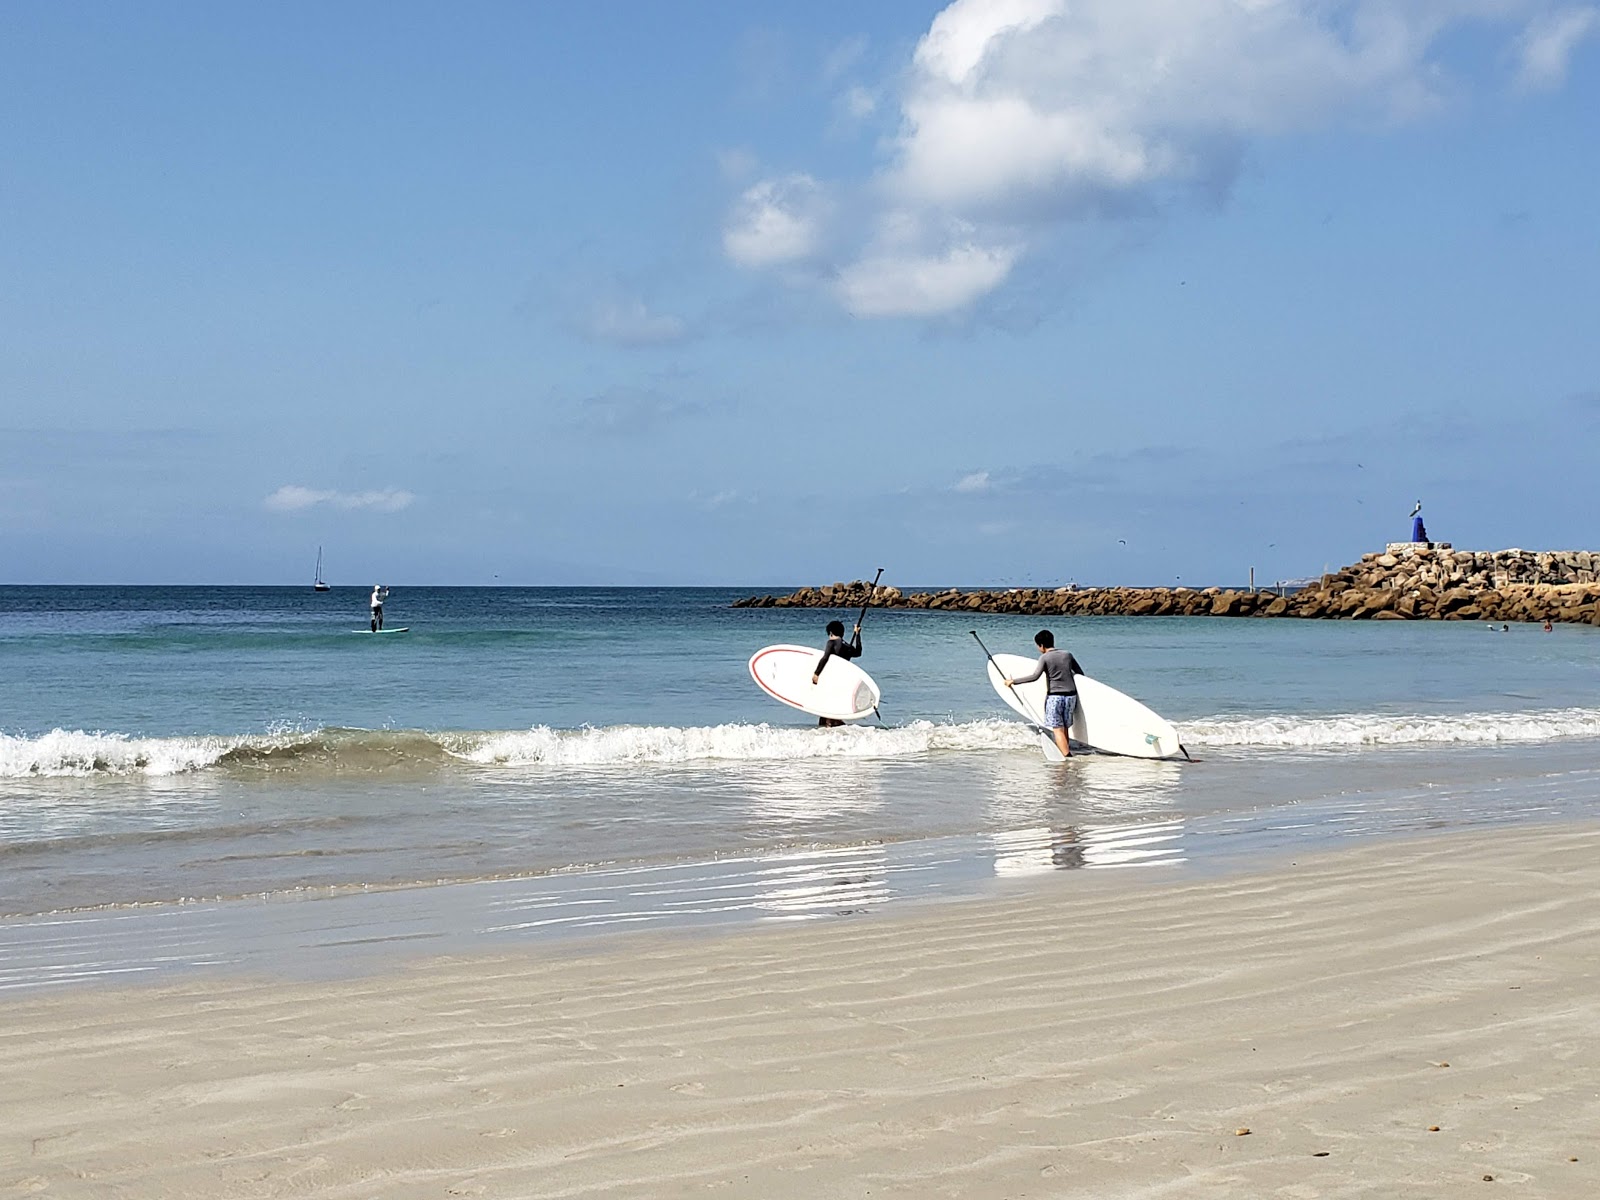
(193, 776)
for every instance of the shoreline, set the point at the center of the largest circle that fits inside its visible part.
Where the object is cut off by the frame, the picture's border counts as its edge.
(1238, 815)
(1087, 1039)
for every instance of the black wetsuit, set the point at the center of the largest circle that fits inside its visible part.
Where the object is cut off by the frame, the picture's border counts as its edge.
(837, 646)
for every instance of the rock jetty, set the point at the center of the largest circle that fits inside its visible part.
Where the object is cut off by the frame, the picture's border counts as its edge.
(1409, 581)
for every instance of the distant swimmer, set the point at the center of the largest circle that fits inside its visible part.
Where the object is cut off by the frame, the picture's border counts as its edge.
(836, 647)
(1059, 667)
(379, 595)
(1548, 628)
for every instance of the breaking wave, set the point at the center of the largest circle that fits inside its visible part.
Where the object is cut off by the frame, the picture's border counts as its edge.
(77, 753)
(63, 753)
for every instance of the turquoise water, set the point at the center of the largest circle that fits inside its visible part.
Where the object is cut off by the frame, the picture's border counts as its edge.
(171, 744)
(176, 662)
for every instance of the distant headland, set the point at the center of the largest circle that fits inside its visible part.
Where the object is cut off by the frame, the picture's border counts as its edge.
(1408, 581)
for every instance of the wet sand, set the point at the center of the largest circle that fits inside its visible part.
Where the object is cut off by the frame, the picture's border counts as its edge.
(1090, 1035)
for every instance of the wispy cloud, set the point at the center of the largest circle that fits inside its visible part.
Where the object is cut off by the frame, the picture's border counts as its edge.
(631, 322)
(630, 411)
(978, 481)
(294, 498)
(721, 499)
(1546, 46)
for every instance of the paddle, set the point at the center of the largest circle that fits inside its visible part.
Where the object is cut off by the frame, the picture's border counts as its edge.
(1046, 740)
(862, 616)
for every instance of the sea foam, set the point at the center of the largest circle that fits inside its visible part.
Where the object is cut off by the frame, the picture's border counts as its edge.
(1391, 729)
(78, 753)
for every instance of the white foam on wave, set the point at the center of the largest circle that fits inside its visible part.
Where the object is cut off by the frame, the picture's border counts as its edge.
(626, 744)
(64, 753)
(1392, 729)
(74, 753)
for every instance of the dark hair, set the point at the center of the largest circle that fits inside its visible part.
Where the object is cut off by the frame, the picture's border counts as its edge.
(835, 628)
(1045, 638)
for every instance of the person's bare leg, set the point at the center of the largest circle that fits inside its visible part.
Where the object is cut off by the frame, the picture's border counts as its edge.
(1061, 742)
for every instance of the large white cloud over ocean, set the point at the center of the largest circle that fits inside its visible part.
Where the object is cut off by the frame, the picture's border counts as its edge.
(1016, 117)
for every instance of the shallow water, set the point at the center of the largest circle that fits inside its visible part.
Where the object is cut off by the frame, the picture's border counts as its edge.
(165, 744)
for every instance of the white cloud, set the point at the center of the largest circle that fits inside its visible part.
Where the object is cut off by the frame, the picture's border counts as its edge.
(978, 481)
(962, 34)
(292, 498)
(908, 284)
(1017, 116)
(1547, 44)
(1029, 104)
(776, 221)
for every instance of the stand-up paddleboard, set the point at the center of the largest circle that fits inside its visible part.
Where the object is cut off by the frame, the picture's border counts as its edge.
(1105, 719)
(402, 629)
(844, 693)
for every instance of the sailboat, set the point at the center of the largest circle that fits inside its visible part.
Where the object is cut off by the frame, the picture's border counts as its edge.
(318, 585)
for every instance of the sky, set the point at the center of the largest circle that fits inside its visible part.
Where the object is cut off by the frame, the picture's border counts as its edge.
(1013, 292)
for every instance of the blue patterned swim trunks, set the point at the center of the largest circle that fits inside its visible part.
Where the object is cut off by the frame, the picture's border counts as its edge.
(1058, 711)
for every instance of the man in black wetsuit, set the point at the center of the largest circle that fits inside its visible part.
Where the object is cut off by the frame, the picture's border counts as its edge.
(836, 646)
(1059, 667)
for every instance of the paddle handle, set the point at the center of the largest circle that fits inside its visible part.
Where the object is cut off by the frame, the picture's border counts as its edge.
(863, 614)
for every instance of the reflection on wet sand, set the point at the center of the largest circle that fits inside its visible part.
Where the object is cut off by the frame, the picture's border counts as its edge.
(1049, 813)
(825, 883)
(1028, 792)
(1030, 851)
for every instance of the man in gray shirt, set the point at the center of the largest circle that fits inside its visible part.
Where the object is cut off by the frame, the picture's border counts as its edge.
(1058, 667)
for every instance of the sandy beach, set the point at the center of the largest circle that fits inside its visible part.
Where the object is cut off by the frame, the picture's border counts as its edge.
(1407, 1018)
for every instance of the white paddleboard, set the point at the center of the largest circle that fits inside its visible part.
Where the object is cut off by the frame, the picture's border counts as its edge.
(844, 693)
(402, 629)
(1105, 719)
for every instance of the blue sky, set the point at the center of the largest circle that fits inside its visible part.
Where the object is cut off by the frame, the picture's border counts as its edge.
(1026, 291)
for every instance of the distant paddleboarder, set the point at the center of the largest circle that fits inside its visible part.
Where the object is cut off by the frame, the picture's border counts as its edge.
(1058, 666)
(379, 595)
(836, 646)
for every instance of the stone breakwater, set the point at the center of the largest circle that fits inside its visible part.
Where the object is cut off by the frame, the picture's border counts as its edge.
(1408, 582)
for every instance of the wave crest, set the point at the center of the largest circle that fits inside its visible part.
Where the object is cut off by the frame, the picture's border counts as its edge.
(77, 753)
(625, 744)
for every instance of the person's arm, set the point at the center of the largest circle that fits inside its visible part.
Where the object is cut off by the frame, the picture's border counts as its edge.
(1072, 664)
(827, 653)
(852, 648)
(1038, 670)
